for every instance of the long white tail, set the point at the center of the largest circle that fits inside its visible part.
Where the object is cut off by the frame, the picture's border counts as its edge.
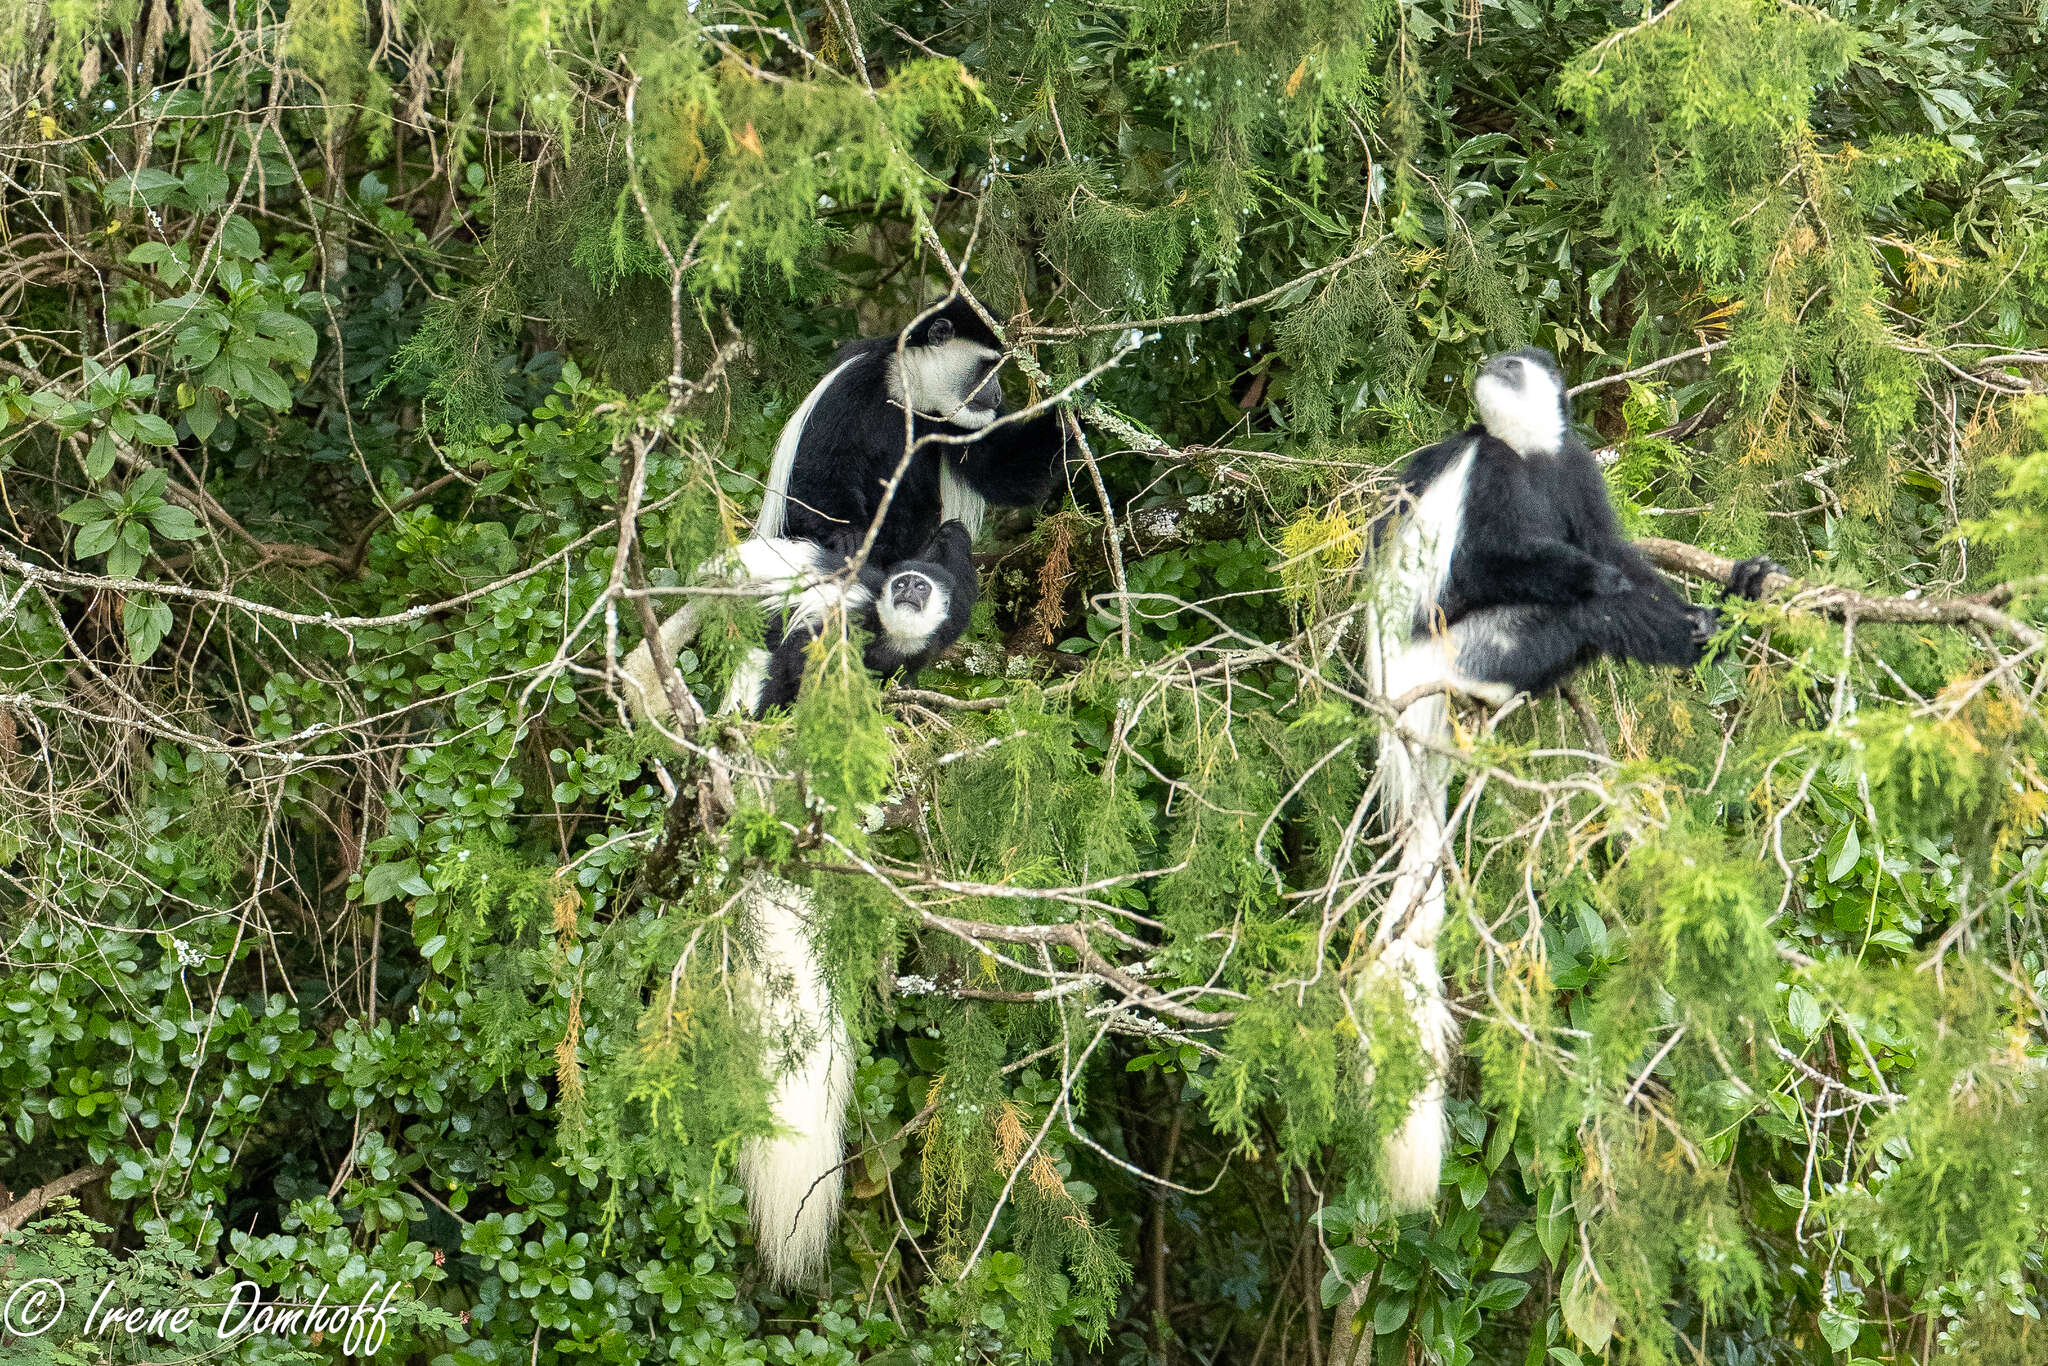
(1411, 781)
(794, 1179)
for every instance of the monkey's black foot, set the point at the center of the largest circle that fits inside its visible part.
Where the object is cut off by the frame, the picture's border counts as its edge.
(1746, 580)
(1705, 623)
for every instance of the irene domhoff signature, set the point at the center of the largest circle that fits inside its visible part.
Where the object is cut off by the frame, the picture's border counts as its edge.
(34, 1307)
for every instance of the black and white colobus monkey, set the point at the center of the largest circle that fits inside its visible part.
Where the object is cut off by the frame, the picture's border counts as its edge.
(1504, 571)
(909, 612)
(840, 448)
(832, 467)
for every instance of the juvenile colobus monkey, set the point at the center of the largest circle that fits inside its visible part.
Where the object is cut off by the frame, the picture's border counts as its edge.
(1504, 573)
(909, 612)
(844, 443)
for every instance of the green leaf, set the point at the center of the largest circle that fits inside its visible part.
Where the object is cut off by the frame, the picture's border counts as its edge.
(1587, 1311)
(1504, 1292)
(206, 185)
(124, 561)
(90, 508)
(1804, 1012)
(151, 186)
(153, 429)
(1553, 1217)
(238, 237)
(149, 484)
(96, 539)
(100, 456)
(1521, 1252)
(204, 415)
(293, 333)
(1845, 861)
(1390, 1313)
(174, 523)
(261, 383)
(145, 621)
(387, 880)
(1839, 1329)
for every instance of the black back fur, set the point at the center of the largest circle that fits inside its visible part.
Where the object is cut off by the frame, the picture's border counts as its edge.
(1541, 581)
(854, 440)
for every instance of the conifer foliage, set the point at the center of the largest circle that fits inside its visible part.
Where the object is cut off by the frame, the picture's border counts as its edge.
(373, 377)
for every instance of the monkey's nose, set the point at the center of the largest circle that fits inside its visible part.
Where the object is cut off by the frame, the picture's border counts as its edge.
(989, 397)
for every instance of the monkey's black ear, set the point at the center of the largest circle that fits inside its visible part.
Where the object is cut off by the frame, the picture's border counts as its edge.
(939, 333)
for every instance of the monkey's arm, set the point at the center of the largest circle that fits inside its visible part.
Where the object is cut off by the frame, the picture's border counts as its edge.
(785, 671)
(825, 504)
(1014, 463)
(1541, 570)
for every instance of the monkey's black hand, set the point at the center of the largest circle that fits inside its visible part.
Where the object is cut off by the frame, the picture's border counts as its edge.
(1746, 580)
(1705, 622)
(1609, 582)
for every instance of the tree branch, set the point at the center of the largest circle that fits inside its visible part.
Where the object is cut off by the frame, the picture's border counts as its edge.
(24, 1209)
(1842, 603)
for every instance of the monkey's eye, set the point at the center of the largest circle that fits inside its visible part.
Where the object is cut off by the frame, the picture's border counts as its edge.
(939, 333)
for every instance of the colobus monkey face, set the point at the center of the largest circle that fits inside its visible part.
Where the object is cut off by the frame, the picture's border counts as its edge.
(948, 368)
(912, 609)
(1520, 397)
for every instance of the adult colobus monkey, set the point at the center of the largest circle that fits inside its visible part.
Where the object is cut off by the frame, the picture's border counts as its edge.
(911, 612)
(843, 445)
(1505, 573)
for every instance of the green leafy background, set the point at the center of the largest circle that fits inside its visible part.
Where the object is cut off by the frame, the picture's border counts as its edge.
(349, 934)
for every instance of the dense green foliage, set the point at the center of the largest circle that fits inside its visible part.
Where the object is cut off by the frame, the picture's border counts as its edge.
(360, 365)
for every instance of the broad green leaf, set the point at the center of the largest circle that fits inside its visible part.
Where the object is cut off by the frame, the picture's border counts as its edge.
(204, 415)
(1587, 1311)
(174, 523)
(261, 383)
(238, 237)
(1839, 1329)
(1804, 1012)
(207, 185)
(151, 186)
(101, 455)
(1521, 1252)
(97, 538)
(153, 429)
(124, 561)
(291, 332)
(1845, 860)
(387, 880)
(145, 621)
